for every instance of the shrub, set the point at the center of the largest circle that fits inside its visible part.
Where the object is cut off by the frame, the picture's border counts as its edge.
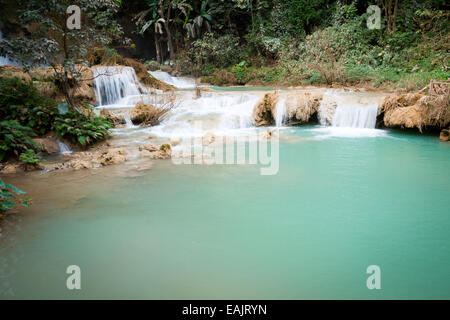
(29, 157)
(152, 65)
(82, 129)
(15, 139)
(20, 101)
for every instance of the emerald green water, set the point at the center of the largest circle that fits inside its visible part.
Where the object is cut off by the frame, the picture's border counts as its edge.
(337, 205)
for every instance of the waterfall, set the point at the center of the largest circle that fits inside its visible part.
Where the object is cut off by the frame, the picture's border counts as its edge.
(219, 113)
(356, 116)
(280, 112)
(64, 148)
(348, 110)
(114, 83)
(5, 60)
(178, 82)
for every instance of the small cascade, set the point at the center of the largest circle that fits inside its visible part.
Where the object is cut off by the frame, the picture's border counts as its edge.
(178, 82)
(115, 83)
(280, 112)
(348, 110)
(5, 60)
(219, 113)
(64, 148)
(356, 116)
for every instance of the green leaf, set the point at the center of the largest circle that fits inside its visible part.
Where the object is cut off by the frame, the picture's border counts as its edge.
(82, 140)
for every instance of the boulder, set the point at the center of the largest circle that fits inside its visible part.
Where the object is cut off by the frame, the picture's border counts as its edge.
(445, 135)
(150, 147)
(416, 110)
(162, 152)
(10, 169)
(48, 144)
(302, 106)
(145, 114)
(265, 109)
(116, 119)
(113, 156)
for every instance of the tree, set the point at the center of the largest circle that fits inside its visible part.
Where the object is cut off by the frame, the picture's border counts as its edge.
(54, 42)
(390, 10)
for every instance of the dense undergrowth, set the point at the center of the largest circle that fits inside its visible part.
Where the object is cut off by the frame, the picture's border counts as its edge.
(345, 52)
(26, 115)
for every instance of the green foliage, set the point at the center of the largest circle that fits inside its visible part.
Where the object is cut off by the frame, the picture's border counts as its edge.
(82, 129)
(29, 157)
(212, 51)
(27, 115)
(10, 196)
(20, 101)
(15, 139)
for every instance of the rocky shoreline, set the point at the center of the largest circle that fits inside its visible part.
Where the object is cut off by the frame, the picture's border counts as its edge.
(424, 110)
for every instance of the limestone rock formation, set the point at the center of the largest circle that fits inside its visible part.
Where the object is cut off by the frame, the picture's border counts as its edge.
(113, 156)
(445, 135)
(417, 110)
(116, 119)
(145, 114)
(263, 113)
(154, 152)
(302, 106)
(48, 144)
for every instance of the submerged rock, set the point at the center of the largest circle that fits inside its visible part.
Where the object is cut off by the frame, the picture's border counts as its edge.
(154, 152)
(150, 147)
(445, 135)
(113, 156)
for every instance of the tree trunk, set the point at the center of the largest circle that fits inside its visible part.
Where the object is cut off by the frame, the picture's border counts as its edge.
(158, 49)
(166, 26)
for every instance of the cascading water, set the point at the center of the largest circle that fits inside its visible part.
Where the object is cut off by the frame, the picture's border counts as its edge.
(219, 113)
(178, 82)
(64, 148)
(348, 110)
(280, 112)
(115, 83)
(356, 116)
(5, 60)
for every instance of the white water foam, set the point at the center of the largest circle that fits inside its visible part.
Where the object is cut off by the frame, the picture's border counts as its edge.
(115, 83)
(280, 112)
(64, 148)
(5, 60)
(178, 82)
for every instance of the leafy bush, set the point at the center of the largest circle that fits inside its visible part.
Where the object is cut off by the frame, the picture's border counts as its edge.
(15, 139)
(20, 101)
(9, 197)
(29, 157)
(82, 129)
(212, 51)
